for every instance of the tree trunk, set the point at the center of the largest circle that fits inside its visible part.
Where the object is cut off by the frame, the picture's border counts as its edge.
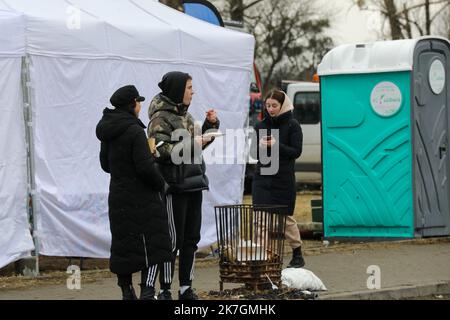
(237, 10)
(408, 22)
(448, 23)
(428, 17)
(391, 13)
(268, 78)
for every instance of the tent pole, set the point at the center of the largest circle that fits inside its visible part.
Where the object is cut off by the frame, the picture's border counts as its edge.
(31, 199)
(247, 149)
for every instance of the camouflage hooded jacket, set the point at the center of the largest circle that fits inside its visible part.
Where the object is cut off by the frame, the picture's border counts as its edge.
(165, 118)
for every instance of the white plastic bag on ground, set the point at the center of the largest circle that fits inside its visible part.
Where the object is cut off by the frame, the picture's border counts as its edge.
(301, 279)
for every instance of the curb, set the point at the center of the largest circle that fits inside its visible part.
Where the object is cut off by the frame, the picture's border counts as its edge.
(395, 293)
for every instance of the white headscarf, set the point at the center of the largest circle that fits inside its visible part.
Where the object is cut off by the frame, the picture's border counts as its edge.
(287, 105)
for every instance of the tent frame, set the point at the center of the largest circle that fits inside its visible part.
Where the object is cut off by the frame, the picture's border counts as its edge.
(32, 201)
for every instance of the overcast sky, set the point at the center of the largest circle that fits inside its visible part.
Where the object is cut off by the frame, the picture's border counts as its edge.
(350, 25)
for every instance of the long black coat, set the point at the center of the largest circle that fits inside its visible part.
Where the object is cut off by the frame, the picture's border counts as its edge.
(279, 189)
(138, 222)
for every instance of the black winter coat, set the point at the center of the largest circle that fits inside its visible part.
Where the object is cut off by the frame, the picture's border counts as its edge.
(138, 222)
(279, 189)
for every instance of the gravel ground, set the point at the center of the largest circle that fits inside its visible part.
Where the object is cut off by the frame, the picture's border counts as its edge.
(342, 267)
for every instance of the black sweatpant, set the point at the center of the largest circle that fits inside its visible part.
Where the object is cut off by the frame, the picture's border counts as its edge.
(148, 276)
(185, 220)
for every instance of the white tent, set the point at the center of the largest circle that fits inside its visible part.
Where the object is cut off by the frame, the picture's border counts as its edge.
(80, 51)
(15, 238)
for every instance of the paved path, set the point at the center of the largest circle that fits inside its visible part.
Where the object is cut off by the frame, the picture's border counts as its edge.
(342, 272)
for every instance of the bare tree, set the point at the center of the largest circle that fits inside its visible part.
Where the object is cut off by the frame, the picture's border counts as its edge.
(391, 13)
(237, 8)
(290, 38)
(443, 23)
(409, 18)
(446, 23)
(290, 35)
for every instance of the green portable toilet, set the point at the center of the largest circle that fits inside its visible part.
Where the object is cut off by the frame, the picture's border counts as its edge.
(385, 136)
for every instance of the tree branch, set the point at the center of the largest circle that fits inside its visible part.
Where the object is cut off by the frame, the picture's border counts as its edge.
(252, 4)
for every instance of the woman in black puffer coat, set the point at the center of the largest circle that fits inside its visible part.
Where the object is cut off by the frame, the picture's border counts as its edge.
(138, 222)
(279, 130)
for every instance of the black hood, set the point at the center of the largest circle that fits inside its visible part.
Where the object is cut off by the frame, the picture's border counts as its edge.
(114, 123)
(173, 85)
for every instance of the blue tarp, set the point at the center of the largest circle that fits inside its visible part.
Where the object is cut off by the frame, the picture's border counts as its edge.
(204, 11)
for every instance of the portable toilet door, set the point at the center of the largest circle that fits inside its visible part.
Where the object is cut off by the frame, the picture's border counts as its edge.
(431, 118)
(384, 139)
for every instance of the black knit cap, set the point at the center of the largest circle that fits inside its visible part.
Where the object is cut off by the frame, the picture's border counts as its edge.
(173, 85)
(125, 96)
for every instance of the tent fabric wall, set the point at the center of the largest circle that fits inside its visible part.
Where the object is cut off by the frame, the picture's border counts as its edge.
(15, 237)
(74, 72)
(69, 96)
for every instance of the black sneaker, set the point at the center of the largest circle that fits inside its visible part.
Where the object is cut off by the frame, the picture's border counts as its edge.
(189, 294)
(165, 295)
(128, 293)
(147, 293)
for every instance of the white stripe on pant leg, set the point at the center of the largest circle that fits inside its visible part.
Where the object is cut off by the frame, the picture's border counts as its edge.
(192, 269)
(172, 224)
(171, 220)
(174, 230)
(168, 201)
(168, 217)
(165, 272)
(148, 276)
(150, 270)
(170, 271)
(153, 280)
(151, 276)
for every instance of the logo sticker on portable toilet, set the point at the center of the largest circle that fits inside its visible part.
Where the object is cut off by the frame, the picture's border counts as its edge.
(386, 99)
(437, 77)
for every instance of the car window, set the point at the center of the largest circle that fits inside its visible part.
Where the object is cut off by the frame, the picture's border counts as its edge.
(307, 107)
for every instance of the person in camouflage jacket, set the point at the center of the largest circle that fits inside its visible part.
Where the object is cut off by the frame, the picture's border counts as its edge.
(167, 117)
(168, 114)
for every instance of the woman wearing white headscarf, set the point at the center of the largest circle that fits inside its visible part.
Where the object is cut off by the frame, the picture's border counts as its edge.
(280, 188)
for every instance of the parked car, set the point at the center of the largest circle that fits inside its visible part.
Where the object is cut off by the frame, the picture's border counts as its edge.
(306, 99)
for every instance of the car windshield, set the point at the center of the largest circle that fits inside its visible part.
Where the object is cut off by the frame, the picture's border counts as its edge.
(307, 107)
